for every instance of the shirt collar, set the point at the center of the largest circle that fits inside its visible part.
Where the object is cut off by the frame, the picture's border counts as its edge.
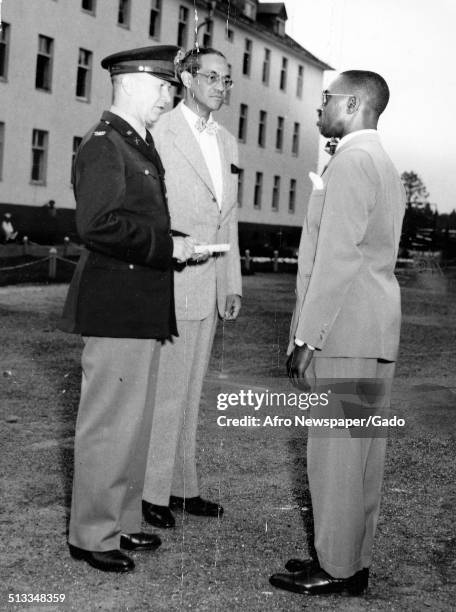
(135, 124)
(190, 115)
(351, 135)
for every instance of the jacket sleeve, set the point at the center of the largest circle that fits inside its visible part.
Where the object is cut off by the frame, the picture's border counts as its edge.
(350, 196)
(103, 223)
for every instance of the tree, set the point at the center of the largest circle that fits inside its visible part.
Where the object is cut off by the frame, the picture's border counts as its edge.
(418, 213)
(417, 195)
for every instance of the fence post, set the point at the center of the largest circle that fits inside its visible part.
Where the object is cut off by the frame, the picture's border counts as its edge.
(247, 260)
(25, 244)
(52, 262)
(66, 244)
(275, 265)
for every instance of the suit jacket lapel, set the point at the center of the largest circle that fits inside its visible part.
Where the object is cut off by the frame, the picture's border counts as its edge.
(185, 141)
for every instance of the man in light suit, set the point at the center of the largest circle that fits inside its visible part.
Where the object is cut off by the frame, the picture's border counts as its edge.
(345, 329)
(200, 158)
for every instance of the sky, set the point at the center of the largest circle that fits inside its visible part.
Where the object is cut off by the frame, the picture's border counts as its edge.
(411, 43)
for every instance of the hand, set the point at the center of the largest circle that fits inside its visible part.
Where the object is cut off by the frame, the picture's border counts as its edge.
(201, 257)
(297, 364)
(232, 307)
(183, 248)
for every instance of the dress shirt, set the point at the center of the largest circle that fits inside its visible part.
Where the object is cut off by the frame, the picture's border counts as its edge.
(209, 148)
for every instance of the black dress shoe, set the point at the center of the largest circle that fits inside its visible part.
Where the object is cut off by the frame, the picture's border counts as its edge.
(106, 561)
(298, 565)
(319, 582)
(196, 505)
(158, 516)
(139, 541)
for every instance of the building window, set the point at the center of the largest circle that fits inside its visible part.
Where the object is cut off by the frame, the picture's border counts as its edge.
(43, 77)
(89, 6)
(258, 191)
(84, 74)
(279, 134)
(227, 98)
(155, 19)
(208, 32)
(279, 27)
(276, 193)
(250, 9)
(182, 27)
(123, 15)
(262, 129)
(242, 132)
(266, 66)
(4, 50)
(229, 34)
(2, 147)
(39, 156)
(295, 139)
(240, 186)
(292, 196)
(283, 74)
(76, 142)
(300, 81)
(246, 62)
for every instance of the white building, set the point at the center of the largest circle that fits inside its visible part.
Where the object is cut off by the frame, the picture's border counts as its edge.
(53, 89)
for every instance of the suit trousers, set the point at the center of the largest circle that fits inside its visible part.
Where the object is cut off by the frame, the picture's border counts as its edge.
(171, 465)
(346, 473)
(112, 439)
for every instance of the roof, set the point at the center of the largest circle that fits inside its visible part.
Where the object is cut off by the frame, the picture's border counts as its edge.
(237, 18)
(273, 8)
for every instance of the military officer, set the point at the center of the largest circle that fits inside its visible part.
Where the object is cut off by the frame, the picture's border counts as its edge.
(121, 301)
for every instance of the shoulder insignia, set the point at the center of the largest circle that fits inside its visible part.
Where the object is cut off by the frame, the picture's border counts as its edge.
(99, 133)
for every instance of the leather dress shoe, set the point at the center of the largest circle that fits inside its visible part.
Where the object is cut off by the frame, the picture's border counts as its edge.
(139, 541)
(319, 582)
(106, 561)
(196, 505)
(158, 516)
(298, 565)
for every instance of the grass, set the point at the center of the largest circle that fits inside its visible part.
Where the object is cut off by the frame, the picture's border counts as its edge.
(209, 565)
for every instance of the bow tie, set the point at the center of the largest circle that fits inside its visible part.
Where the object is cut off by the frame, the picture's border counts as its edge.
(209, 126)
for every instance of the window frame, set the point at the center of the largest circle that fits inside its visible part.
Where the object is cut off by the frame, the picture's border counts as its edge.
(156, 7)
(243, 119)
(87, 75)
(247, 57)
(266, 68)
(182, 27)
(44, 150)
(44, 69)
(5, 42)
(279, 134)
(276, 182)
(126, 14)
(258, 190)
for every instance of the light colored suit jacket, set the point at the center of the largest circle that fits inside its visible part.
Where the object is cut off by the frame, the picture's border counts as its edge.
(348, 299)
(194, 211)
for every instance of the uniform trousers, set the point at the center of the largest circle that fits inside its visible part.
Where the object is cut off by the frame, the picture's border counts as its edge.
(112, 439)
(346, 473)
(171, 465)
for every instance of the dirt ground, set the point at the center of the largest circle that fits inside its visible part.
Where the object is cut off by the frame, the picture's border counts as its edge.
(224, 565)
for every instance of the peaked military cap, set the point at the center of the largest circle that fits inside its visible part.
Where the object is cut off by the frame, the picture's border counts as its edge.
(157, 60)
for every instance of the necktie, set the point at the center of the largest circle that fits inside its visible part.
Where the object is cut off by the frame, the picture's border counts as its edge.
(209, 126)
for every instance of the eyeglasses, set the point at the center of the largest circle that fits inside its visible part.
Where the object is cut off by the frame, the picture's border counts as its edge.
(325, 95)
(214, 77)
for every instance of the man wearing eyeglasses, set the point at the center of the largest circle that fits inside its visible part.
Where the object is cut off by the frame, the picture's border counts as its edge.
(200, 158)
(345, 333)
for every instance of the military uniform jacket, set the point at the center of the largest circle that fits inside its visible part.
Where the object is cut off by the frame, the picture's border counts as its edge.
(123, 284)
